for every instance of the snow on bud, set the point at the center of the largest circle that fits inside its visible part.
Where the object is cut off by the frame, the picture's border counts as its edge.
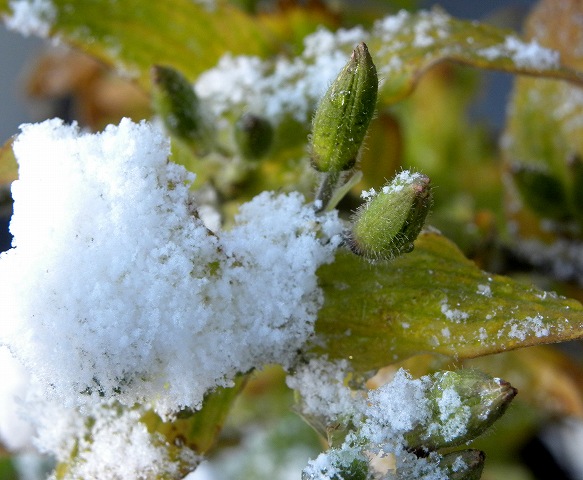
(344, 113)
(174, 100)
(253, 135)
(463, 404)
(463, 465)
(388, 223)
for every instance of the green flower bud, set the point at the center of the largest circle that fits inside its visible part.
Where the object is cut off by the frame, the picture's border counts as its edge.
(541, 191)
(253, 135)
(388, 223)
(174, 100)
(344, 113)
(463, 465)
(463, 405)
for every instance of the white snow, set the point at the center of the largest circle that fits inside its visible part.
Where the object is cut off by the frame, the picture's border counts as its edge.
(139, 300)
(523, 54)
(324, 394)
(281, 88)
(31, 17)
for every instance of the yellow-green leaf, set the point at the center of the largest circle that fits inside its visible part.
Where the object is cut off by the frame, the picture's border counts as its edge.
(406, 45)
(135, 35)
(197, 430)
(433, 300)
(8, 165)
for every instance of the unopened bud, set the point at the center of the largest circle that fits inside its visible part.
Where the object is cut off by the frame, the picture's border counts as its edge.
(253, 135)
(463, 404)
(344, 113)
(541, 191)
(463, 465)
(174, 100)
(389, 222)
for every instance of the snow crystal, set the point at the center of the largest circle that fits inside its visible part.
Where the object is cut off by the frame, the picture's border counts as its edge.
(323, 392)
(524, 55)
(390, 412)
(453, 314)
(395, 408)
(527, 327)
(110, 443)
(139, 300)
(484, 290)
(453, 415)
(284, 87)
(31, 17)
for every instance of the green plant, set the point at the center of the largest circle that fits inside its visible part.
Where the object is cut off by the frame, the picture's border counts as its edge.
(142, 299)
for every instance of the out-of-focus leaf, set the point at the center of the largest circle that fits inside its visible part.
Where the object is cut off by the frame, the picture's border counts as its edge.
(8, 165)
(544, 137)
(406, 45)
(433, 300)
(135, 35)
(198, 430)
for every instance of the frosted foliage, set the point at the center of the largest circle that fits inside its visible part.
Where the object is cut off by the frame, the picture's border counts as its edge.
(31, 17)
(381, 423)
(111, 444)
(114, 288)
(286, 87)
(323, 392)
(395, 408)
(525, 55)
(453, 415)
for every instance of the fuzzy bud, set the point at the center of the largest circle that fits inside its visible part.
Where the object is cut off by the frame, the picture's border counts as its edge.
(463, 405)
(174, 100)
(344, 113)
(253, 135)
(389, 222)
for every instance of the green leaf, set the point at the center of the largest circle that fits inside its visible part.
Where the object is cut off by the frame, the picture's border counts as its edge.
(433, 300)
(198, 430)
(135, 35)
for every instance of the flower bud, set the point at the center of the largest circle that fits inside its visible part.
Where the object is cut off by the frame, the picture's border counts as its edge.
(388, 223)
(344, 113)
(541, 191)
(253, 135)
(175, 101)
(463, 465)
(463, 404)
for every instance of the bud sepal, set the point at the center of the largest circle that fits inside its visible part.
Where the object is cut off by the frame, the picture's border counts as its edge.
(388, 223)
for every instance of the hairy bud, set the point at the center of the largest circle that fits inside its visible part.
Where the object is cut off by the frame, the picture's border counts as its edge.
(389, 222)
(344, 113)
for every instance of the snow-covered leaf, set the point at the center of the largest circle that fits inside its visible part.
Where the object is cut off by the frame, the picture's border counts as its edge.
(134, 35)
(433, 300)
(198, 430)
